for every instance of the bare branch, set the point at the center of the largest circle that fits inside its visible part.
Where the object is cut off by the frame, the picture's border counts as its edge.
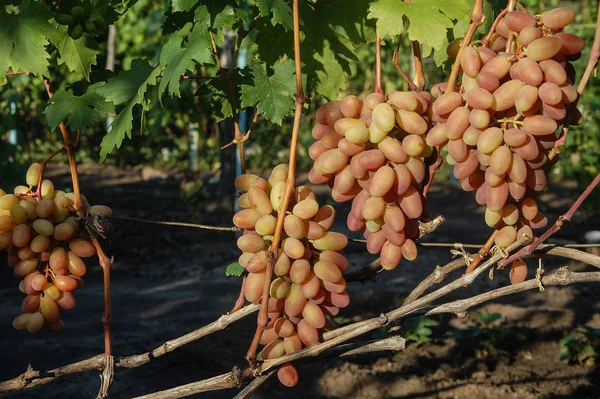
(562, 276)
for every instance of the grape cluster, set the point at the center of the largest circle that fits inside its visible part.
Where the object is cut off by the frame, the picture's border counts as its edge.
(308, 284)
(45, 245)
(79, 22)
(372, 153)
(499, 131)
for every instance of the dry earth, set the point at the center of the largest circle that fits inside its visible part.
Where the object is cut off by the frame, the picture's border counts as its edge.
(168, 281)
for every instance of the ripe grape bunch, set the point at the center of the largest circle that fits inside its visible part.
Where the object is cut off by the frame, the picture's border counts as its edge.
(45, 244)
(498, 133)
(307, 284)
(372, 153)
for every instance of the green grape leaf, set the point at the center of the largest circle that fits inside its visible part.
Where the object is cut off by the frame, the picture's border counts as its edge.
(128, 86)
(282, 13)
(330, 77)
(23, 39)
(183, 5)
(273, 92)
(79, 111)
(79, 55)
(176, 63)
(234, 269)
(429, 20)
(350, 16)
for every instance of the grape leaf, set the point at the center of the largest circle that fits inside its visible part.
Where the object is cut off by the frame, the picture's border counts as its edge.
(183, 5)
(79, 111)
(349, 15)
(428, 19)
(79, 55)
(128, 86)
(178, 62)
(273, 93)
(234, 269)
(23, 38)
(282, 13)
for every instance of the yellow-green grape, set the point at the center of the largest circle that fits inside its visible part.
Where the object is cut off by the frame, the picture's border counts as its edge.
(32, 176)
(384, 117)
(453, 47)
(265, 226)
(18, 213)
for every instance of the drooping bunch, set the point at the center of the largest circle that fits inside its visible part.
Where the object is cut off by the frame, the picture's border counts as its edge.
(500, 127)
(45, 244)
(371, 152)
(307, 283)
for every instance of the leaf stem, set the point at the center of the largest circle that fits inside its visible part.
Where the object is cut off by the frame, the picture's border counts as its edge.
(289, 190)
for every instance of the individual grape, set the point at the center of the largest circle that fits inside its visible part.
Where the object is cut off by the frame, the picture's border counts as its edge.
(488, 81)
(382, 181)
(518, 272)
(506, 236)
(453, 48)
(35, 323)
(465, 169)
(29, 208)
(47, 189)
(501, 160)
(63, 231)
(32, 176)
(306, 209)
(479, 119)
(373, 208)
(299, 271)
(417, 169)
(20, 322)
(257, 263)
(471, 136)
(392, 150)
(331, 241)
(505, 95)
(518, 20)
(539, 125)
(404, 100)
(517, 170)
(558, 18)
(510, 214)
(279, 288)
(76, 265)
(265, 226)
(458, 150)
(409, 250)
(351, 106)
(438, 135)
(31, 303)
(250, 243)
(82, 248)
(413, 145)
(39, 244)
(293, 248)
(411, 122)
(447, 103)
(38, 282)
(384, 117)
(480, 98)
(470, 62)
(492, 218)
(313, 315)
(553, 72)
(254, 286)
(550, 93)
(489, 140)
(529, 34)
(498, 66)
(530, 72)
(327, 271)
(245, 258)
(49, 309)
(526, 98)
(529, 208)
(492, 178)
(571, 44)
(498, 196)
(543, 48)
(260, 201)
(288, 375)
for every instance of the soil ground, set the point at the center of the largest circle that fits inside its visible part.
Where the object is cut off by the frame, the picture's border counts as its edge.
(168, 281)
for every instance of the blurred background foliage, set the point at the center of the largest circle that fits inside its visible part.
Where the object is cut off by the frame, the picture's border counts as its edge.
(167, 142)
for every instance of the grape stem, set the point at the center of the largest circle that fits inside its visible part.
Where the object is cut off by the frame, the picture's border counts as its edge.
(477, 18)
(488, 37)
(529, 249)
(510, 7)
(70, 144)
(289, 190)
(482, 253)
(410, 83)
(378, 87)
(589, 69)
(418, 61)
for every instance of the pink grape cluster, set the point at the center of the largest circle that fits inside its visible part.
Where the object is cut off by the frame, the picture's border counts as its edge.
(499, 129)
(372, 152)
(45, 245)
(307, 284)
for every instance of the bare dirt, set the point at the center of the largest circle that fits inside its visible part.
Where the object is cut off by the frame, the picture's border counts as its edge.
(168, 281)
